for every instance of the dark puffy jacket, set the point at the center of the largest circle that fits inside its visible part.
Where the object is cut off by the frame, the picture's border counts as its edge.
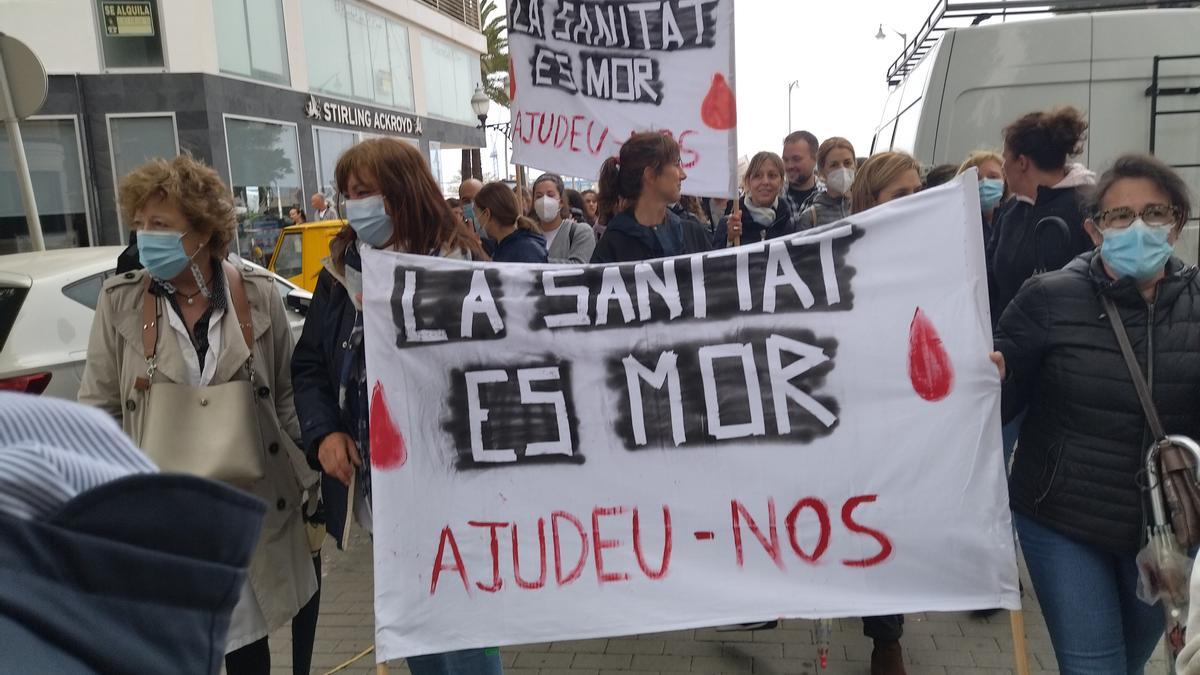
(624, 240)
(1084, 439)
(316, 371)
(1013, 251)
(752, 230)
(521, 246)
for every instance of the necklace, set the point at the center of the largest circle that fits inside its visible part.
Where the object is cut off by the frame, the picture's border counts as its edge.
(191, 298)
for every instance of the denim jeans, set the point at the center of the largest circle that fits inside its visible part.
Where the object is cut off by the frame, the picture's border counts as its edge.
(1089, 598)
(465, 662)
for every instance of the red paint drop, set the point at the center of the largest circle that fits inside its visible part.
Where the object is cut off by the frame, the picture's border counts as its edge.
(929, 366)
(512, 82)
(719, 110)
(387, 444)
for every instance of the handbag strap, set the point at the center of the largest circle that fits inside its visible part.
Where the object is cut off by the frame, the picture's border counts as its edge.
(241, 307)
(1135, 371)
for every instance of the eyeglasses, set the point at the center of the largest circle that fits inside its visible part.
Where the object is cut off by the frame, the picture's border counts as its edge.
(1154, 215)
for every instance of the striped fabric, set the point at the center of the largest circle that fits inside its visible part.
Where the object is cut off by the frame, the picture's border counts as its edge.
(52, 450)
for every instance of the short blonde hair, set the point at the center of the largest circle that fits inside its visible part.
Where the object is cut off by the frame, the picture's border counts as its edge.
(758, 161)
(190, 185)
(875, 174)
(979, 158)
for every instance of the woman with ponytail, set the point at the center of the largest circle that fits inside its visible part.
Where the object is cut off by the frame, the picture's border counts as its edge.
(635, 189)
(517, 237)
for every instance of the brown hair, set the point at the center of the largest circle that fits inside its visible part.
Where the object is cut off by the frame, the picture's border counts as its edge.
(757, 162)
(979, 158)
(875, 174)
(524, 199)
(1151, 169)
(1048, 138)
(564, 208)
(692, 205)
(805, 136)
(620, 180)
(502, 203)
(422, 218)
(187, 183)
(832, 143)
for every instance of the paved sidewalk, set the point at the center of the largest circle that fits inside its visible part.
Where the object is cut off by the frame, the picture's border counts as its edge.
(935, 644)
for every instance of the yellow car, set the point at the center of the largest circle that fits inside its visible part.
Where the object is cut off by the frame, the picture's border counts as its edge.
(300, 249)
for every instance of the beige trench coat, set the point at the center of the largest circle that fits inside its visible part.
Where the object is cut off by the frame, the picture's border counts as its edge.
(281, 571)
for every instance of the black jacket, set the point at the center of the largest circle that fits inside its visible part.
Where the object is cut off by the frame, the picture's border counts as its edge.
(138, 575)
(1013, 251)
(316, 371)
(752, 230)
(624, 240)
(521, 246)
(1084, 439)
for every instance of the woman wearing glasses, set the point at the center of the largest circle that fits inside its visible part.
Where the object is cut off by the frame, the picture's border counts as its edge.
(1075, 490)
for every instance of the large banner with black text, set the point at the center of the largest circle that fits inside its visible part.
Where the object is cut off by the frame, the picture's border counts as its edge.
(799, 427)
(585, 74)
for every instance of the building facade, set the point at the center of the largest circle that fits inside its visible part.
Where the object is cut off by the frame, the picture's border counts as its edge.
(267, 92)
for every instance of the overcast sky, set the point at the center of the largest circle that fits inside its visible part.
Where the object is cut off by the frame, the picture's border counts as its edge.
(828, 46)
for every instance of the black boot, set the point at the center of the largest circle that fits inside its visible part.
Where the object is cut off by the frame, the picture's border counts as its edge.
(887, 658)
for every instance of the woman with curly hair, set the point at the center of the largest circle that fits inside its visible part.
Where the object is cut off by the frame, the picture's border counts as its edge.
(202, 303)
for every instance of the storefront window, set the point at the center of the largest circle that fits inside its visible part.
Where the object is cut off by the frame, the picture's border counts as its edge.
(450, 77)
(134, 140)
(55, 165)
(250, 39)
(264, 171)
(130, 34)
(329, 145)
(357, 53)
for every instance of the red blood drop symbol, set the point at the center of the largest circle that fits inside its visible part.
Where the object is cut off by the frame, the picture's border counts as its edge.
(929, 366)
(512, 82)
(387, 444)
(719, 109)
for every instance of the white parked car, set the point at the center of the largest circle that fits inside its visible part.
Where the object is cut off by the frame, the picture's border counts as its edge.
(47, 302)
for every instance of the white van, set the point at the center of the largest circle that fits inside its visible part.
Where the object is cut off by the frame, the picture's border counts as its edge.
(955, 94)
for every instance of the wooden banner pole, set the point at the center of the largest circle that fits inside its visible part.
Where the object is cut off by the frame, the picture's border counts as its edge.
(1020, 652)
(736, 240)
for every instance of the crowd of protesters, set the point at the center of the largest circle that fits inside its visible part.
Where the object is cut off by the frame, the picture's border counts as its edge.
(1063, 250)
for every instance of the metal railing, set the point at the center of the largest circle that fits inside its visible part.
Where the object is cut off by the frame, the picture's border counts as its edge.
(949, 14)
(463, 11)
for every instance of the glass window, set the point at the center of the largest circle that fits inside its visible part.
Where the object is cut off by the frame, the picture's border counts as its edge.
(264, 170)
(328, 50)
(289, 262)
(250, 39)
(355, 52)
(450, 76)
(86, 291)
(329, 145)
(134, 140)
(130, 35)
(52, 148)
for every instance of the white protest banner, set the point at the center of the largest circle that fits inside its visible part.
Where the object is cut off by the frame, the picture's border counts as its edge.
(802, 427)
(584, 75)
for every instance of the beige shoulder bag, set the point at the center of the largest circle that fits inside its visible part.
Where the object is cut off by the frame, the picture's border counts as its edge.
(208, 431)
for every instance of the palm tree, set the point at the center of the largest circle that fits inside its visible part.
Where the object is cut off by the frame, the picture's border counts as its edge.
(493, 72)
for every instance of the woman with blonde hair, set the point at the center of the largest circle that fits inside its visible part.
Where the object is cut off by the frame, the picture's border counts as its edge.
(992, 189)
(837, 167)
(393, 203)
(764, 212)
(202, 322)
(883, 177)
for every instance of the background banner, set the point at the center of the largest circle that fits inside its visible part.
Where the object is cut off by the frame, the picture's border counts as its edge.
(801, 427)
(585, 75)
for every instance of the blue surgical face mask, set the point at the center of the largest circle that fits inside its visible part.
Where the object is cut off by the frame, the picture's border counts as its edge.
(369, 219)
(990, 192)
(1137, 251)
(162, 254)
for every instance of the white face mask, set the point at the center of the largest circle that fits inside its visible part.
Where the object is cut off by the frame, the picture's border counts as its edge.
(547, 208)
(840, 180)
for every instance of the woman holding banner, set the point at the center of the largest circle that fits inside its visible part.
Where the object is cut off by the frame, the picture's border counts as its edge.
(635, 190)
(764, 214)
(392, 203)
(1077, 481)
